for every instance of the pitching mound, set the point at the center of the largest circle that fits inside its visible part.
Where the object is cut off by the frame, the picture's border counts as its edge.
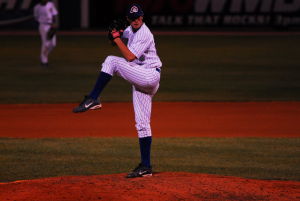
(161, 186)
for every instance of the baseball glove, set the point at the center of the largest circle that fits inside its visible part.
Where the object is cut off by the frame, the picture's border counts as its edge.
(51, 33)
(116, 29)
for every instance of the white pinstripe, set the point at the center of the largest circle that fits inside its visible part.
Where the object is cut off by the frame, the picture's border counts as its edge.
(142, 104)
(145, 84)
(145, 79)
(142, 45)
(141, 73)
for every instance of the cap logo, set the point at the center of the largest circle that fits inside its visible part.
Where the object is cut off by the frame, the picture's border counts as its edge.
(134, 9)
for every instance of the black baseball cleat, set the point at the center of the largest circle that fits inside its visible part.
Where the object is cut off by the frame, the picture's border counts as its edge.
(140, 171)
(87, 104)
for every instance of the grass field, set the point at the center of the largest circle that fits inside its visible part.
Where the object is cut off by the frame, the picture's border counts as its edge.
(259, 158)
(195, 68)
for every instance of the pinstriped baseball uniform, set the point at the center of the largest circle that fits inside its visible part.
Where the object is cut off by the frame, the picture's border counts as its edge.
(44, 15)
(143, 73)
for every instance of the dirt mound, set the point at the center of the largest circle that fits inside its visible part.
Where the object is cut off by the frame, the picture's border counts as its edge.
(161, 186)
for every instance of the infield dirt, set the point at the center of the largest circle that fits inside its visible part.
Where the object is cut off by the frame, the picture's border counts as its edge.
(175, 119)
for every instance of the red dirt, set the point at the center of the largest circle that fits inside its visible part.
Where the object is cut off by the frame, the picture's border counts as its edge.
(263, 119)
(188, 119)
(161, 186)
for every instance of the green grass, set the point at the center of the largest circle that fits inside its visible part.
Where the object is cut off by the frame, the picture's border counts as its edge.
(260, 158)
(195, 68)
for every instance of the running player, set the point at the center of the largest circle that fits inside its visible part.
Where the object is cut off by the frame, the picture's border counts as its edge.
(46, 14)
(140, 66)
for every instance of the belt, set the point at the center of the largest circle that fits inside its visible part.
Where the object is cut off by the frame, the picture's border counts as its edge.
(158, 69)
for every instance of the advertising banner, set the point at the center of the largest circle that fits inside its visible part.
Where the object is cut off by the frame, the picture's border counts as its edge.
(215, 13)
(96, 14)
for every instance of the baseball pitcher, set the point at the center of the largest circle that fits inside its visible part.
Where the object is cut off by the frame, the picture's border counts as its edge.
(140, 66)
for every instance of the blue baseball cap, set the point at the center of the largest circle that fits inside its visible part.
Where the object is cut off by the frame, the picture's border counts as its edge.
(134, 11)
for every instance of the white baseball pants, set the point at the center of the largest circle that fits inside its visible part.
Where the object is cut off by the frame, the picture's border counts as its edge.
(145, 83)
(47, 45)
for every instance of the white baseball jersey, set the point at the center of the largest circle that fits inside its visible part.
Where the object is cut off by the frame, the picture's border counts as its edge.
(143, 73)
(142, 45)
(44, 13)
